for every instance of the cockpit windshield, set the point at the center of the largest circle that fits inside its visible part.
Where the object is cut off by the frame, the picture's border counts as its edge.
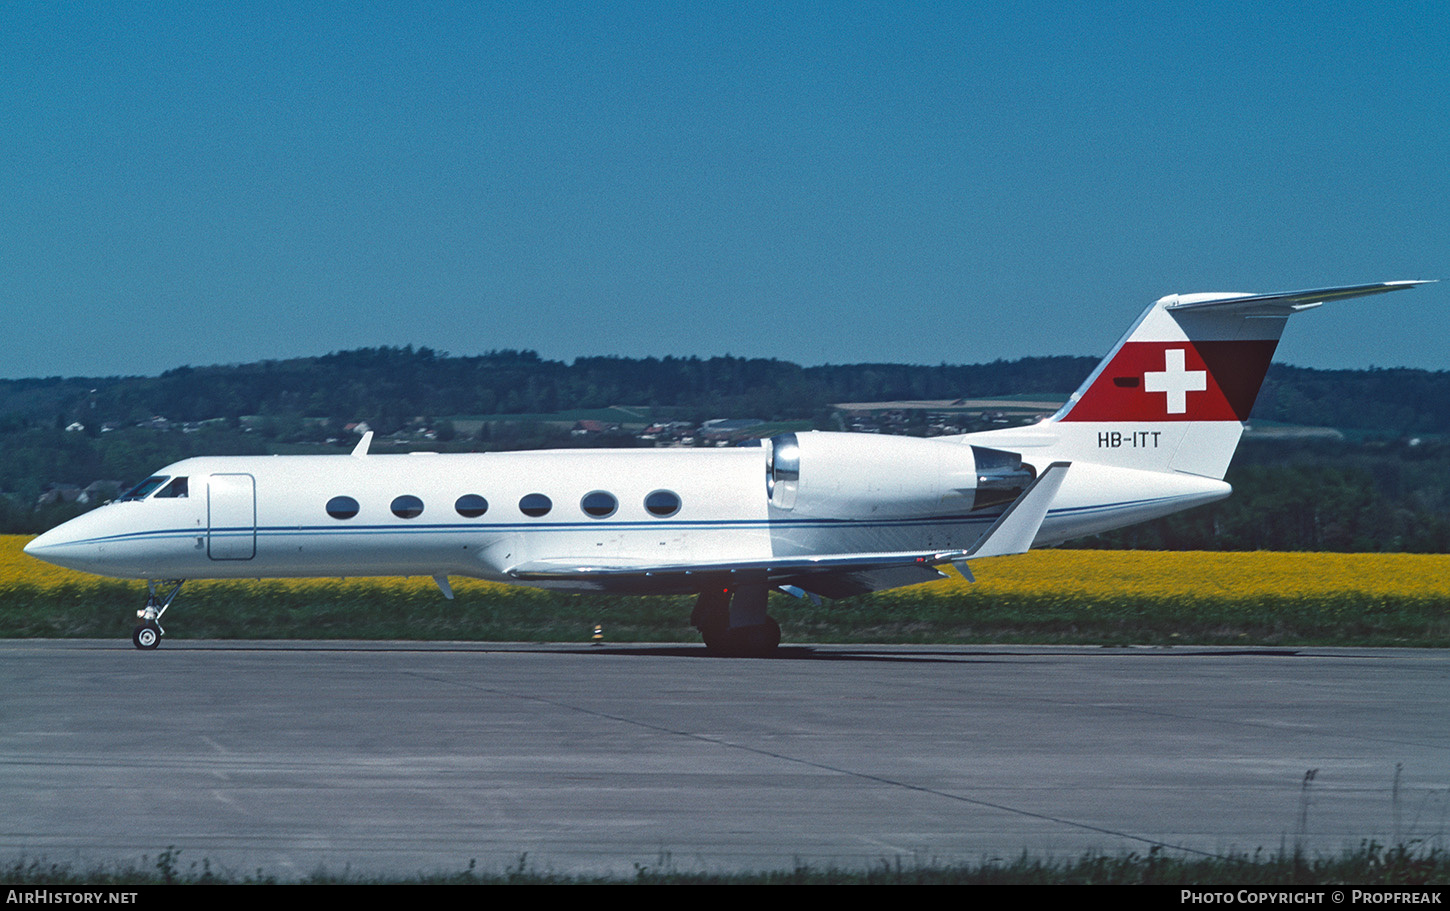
(177, 488)
(144, 489)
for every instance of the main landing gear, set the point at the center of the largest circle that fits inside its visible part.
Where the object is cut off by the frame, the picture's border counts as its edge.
(733, 621)
(161, 594)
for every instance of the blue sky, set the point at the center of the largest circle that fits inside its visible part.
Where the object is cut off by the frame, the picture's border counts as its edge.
(205, 183)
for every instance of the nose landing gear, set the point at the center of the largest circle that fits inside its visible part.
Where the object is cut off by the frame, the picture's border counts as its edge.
(148, 634)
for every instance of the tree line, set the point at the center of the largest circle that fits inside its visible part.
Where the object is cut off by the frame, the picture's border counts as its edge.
(386, 385)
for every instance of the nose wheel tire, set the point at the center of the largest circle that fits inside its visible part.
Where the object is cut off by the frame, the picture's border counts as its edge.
(147, 636)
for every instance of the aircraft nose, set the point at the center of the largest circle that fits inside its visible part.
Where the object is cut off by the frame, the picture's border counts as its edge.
(36, 546)
(60, 546)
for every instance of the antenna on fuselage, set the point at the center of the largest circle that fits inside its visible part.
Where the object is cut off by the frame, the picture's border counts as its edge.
(361, 449)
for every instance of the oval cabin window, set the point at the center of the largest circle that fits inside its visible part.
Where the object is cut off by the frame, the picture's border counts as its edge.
(662, 503)
(407, 507)
(471, 506)
(342, 507)
(599, 504)
(535, 504)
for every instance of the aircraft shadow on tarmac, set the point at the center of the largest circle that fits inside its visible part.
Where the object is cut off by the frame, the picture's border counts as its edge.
(784, 653)
(915, 655)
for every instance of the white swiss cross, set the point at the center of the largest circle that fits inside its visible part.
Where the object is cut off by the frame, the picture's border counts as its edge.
(1175, 380)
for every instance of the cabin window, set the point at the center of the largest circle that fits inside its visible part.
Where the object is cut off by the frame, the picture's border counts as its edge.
(342, 507)
(471, 506)
(176, 489)
(599, 504)
(143, 490)
(535, 504)
(662, 503)
(407, 507)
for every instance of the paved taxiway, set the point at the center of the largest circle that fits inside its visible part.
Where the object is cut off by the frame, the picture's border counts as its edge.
(409, 757)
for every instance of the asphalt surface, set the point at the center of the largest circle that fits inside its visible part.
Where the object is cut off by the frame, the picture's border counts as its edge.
(397, 758)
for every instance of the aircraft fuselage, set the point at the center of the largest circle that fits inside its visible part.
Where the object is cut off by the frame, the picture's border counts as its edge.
(483, 515)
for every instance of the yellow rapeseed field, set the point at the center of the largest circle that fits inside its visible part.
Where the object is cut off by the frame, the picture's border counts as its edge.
(1232, 576)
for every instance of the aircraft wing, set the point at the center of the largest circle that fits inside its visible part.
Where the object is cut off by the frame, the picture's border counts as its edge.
(828, 575)
(831, 575)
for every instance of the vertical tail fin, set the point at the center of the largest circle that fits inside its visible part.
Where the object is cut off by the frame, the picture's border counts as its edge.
(1174, 393)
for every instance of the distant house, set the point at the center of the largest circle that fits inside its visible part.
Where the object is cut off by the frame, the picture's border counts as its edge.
(58, 493)
(592, 428)
(99, 492)
(729, 425)
(723, 431)
(669, 431)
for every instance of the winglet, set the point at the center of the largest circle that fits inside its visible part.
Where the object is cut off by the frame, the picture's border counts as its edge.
(1015, 530)
(361, 449)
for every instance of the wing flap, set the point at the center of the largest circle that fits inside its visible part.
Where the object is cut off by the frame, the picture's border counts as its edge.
(856, 573)
(844, 584)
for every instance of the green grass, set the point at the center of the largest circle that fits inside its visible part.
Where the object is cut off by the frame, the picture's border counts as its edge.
(275, 610)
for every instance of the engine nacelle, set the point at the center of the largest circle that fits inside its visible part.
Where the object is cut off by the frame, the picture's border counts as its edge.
(856, 475)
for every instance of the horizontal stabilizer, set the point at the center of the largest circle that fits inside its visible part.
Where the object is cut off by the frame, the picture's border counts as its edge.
(1287, 301)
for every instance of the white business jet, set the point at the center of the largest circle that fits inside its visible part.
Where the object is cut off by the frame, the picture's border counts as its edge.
(1149, 433)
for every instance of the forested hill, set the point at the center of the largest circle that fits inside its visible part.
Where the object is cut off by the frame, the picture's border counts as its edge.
(1392, 400)
(389, 386)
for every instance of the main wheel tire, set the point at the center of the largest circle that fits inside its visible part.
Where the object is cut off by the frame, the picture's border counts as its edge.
(758, 641)
(146, 636)
(716, 636)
